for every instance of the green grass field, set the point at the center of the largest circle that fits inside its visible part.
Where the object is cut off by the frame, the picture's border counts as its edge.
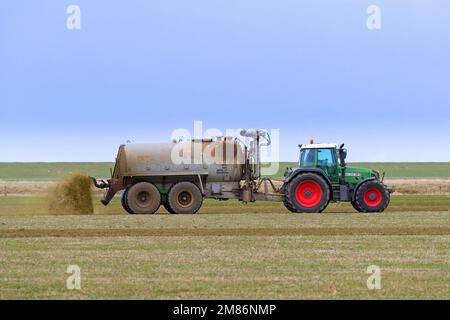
(228, 250)
(53, 171)
(138, 257)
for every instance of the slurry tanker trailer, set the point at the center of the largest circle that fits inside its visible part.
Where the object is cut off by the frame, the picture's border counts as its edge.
(180, 174)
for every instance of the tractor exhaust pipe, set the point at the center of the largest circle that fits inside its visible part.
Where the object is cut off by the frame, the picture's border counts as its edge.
(342, 156)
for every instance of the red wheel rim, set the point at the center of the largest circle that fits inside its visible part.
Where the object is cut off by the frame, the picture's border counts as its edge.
(308, 193)
(372, 197)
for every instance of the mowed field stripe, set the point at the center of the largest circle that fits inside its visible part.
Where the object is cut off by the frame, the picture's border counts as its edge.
(196, 232)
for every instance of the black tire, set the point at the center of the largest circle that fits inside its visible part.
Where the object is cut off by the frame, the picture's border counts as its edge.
(143, 198)
(307, 192)
(124, 202)
(168, 208)
(355, 206)
(286, 203)
(184, 198)
(371, 196)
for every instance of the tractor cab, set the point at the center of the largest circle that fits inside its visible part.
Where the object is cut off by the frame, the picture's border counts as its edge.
(330, 159)
(327, 157)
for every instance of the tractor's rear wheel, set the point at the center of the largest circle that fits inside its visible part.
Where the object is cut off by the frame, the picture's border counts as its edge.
(307, 192)
(286, 203)
(184, 198)
(371, 196)
(355, 206)
(143, 198)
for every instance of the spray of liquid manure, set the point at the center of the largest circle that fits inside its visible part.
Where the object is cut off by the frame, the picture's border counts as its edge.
(72, 195)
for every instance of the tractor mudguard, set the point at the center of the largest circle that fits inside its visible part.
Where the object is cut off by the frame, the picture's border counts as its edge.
(297, 171)
(359, 184)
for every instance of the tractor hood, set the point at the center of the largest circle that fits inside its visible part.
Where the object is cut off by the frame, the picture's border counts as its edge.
(358, 173)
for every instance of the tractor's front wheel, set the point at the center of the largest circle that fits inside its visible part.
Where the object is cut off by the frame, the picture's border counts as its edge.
(371, 196)
(307, 192)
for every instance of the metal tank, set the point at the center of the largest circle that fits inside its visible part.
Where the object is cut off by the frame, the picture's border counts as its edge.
(219, 160)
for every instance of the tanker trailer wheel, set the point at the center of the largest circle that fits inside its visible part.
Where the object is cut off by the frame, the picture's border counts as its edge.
(307, 192)
(372, 196)
(124, 202)
(143, 198)
(168, 208)
(185, 198)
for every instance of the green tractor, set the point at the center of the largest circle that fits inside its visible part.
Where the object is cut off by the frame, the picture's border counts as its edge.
(323, 176)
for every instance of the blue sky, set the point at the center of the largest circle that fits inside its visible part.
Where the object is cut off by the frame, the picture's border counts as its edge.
(137, 70)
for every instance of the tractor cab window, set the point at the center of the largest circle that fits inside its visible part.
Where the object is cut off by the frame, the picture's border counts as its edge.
(325, 158)
(307, 158)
